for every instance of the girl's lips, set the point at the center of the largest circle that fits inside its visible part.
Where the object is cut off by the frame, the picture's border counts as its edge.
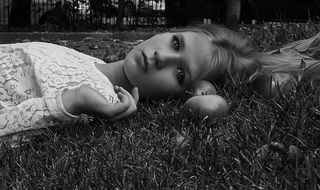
(145, 62)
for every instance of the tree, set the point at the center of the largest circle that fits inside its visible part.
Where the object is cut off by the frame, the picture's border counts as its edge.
(120, 14)
(20, 13)
(233, 14)
(57, 17)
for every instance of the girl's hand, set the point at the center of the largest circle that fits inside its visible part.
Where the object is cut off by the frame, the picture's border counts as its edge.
(87, 100)
(133, 100)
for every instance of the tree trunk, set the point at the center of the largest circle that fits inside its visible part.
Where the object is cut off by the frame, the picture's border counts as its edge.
(20, 15)
(233, 14)
(120, 14)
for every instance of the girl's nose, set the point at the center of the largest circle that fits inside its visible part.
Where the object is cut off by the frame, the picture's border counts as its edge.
(163, 59)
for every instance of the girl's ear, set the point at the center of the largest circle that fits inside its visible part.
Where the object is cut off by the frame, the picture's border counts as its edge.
(198, 88)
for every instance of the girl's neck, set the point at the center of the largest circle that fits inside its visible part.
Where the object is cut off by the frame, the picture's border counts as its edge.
(115, 73)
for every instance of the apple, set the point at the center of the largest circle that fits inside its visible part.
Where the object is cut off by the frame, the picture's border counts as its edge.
(199, 88)
(207, 105)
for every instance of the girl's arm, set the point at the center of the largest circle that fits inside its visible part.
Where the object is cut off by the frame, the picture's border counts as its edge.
(33, 113)
(38, 113)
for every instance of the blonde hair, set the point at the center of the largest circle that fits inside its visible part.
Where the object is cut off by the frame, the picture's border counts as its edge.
(239, 58)
(296, 57)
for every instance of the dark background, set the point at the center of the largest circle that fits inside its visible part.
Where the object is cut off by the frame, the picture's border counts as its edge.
(63, 15)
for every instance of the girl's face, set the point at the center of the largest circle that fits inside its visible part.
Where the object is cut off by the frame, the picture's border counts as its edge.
(166, 63)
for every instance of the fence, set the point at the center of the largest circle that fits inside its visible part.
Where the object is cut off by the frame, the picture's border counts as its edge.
(74, 14)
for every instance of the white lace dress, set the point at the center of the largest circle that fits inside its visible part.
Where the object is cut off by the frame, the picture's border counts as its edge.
(32, 77)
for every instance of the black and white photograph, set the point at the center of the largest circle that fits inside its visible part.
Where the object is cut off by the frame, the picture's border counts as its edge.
(160, 94)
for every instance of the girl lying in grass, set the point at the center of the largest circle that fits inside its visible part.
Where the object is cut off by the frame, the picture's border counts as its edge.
(43, 83)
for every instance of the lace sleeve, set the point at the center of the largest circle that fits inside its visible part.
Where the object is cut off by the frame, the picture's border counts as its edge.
(23, 104)
(34, 113)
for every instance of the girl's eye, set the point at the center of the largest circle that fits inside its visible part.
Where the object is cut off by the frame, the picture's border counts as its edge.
(180, 75)
(175, 43)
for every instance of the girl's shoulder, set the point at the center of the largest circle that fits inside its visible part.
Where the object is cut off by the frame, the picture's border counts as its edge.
(51, 51)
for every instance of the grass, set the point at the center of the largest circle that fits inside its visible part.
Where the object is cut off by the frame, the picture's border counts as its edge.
(261, 144)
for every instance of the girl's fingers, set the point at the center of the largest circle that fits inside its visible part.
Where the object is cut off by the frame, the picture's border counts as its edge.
(132, 98)
(119, 107)
(134, 92)
(125, 107)
(122, 90)
(123, 97)
(125, 113)
(116, 89)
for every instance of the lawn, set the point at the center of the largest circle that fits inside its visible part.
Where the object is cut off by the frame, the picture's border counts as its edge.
(260, 144)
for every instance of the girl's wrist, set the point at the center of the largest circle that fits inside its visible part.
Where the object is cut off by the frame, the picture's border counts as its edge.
(70, 102)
